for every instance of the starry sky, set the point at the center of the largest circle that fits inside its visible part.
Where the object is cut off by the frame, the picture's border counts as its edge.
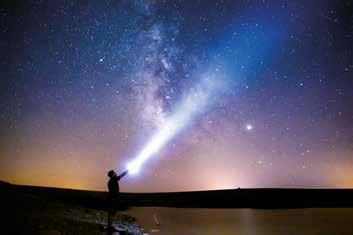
(84, 86)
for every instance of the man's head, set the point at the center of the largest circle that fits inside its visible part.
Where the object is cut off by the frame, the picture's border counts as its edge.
(111, 173)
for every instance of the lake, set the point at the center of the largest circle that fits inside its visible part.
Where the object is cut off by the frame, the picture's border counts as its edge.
(194, 221)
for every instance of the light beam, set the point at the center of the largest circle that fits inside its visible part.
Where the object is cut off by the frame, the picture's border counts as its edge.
(193, 103)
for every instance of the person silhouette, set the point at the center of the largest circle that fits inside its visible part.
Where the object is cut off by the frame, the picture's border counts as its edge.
(114, 195)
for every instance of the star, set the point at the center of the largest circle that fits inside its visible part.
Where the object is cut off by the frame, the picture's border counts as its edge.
(249, 127)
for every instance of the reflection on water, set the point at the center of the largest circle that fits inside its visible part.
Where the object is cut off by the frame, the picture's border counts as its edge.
(191, 221)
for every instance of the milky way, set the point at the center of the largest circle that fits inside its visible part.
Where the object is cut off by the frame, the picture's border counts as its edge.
(85, 86)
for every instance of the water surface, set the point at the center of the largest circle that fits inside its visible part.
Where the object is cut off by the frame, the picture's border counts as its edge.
(192, 221)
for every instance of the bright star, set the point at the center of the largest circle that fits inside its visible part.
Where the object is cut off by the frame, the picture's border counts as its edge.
(249, 127)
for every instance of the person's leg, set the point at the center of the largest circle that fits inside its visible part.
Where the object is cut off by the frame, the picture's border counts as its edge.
(113, 208)
(111, 216)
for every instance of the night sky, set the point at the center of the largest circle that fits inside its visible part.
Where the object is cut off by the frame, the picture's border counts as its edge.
(84, 86)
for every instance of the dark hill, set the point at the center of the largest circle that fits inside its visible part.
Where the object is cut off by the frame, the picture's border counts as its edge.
(232, 198)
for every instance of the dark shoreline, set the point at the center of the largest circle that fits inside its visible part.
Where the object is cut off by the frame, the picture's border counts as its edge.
(271, 198)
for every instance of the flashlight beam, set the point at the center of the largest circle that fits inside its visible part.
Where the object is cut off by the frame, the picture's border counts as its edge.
(191, 105)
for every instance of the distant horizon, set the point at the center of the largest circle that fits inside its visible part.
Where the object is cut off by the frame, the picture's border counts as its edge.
(222, 189)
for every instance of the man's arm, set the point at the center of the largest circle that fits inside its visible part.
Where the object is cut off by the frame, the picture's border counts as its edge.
(122, 174)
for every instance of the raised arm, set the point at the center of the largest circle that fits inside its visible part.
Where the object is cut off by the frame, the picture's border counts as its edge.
(122, 174)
